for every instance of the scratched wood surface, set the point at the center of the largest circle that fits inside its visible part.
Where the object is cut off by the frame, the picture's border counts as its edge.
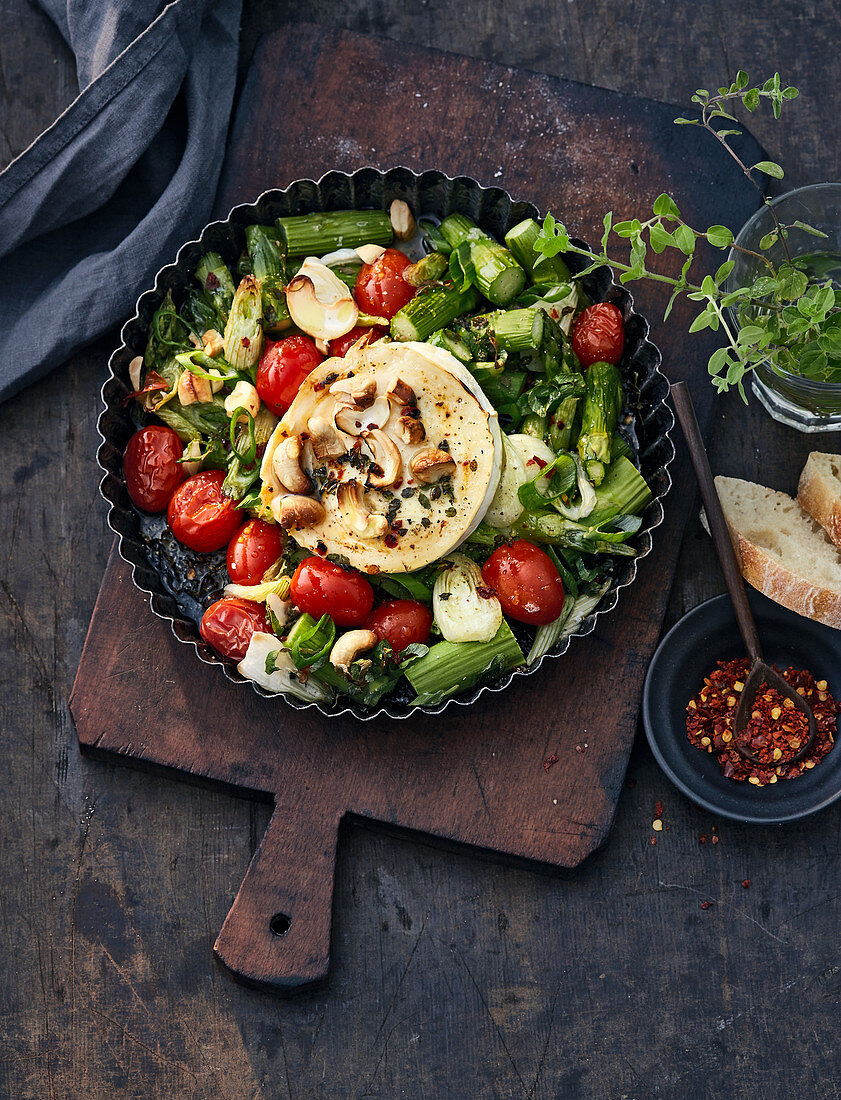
(473, 775)
(452, 976)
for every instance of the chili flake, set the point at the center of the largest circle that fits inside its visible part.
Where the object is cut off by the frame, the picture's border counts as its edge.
(776, 729)
(549, 761)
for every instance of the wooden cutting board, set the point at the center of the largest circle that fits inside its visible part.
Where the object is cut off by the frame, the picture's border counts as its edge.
(315, 100)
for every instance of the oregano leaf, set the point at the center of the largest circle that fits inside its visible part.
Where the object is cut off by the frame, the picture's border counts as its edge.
(719, 236)
(665, 207)
(769, 168)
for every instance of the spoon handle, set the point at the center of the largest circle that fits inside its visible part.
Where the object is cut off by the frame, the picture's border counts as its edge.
(715, 517)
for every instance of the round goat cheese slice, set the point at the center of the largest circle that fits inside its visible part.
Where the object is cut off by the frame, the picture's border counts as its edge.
(400, 446)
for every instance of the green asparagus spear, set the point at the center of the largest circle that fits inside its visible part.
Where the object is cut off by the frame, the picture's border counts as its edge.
(317, 234)
(603, 401)
(518, 329)
(432, 310)
(495, 271)
(542, 269)
(428, 269)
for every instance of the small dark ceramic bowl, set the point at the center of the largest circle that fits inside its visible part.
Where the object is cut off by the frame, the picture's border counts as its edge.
(181, 584)
(686, 655)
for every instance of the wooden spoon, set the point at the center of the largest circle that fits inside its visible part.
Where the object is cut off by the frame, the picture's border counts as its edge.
(760, 672)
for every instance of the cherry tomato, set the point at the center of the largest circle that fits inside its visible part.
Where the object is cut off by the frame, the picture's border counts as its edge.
(151, 467)
(321, 587)
(526, 582)
(200, 515)
(284, 365)
(400, 623)
(380, 287)
(251, 551)
(598, 334)
(339, 347)
(228, 624)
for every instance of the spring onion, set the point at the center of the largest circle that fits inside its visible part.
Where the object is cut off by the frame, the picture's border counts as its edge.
(215, 280)
(309, 640)
(574, 613)
(433, 238)
(244, 331)
(450, 667)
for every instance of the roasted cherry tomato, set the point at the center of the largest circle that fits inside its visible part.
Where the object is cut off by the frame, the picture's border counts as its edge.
(200, 514)
(284, 365)
(400, 623)
(255, 547)
(228, 624)
(341, 344)
(598, 334)
(321, 587)
(151, 467)
(380, 287)
(526, 582)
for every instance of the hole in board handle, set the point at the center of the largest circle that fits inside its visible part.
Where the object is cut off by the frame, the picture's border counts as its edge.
(280, 924)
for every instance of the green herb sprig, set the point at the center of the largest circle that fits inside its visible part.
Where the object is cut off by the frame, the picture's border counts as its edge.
(785, 319)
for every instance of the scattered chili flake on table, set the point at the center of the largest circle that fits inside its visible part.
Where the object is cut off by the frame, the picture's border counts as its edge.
(549, 761)
(746, 883)
(706, 904)
(775, 731)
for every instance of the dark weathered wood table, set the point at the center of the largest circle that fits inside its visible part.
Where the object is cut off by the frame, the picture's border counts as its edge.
(451, 976)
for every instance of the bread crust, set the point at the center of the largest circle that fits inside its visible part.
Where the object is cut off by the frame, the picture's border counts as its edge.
(784, 586)
(817, 494)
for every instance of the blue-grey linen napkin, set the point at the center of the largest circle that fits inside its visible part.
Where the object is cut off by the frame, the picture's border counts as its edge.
(90, 211)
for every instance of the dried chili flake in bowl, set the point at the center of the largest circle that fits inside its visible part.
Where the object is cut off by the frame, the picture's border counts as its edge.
(776, 729)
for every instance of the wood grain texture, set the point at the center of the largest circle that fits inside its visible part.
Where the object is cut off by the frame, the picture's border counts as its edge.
(475, 774)
(451, 976)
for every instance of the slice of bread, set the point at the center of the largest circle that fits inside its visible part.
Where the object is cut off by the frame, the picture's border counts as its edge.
(819, 492)
(783, 552)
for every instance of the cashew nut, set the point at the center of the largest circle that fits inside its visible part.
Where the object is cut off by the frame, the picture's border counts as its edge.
(319, 302)
(349, 647)
(351, 500)
(367, 253)
(401, 393)
(429, 466)
(325, 439)
(286, 465)
(298, 511)
(361, 393)
(353, 419)
(193, 390)
(410, 429)
(242, 396)
(135, 369)
(213, 343)
(386, 468)
(402, 220)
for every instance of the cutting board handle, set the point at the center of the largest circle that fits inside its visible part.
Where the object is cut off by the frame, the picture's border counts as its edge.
(277, 933)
